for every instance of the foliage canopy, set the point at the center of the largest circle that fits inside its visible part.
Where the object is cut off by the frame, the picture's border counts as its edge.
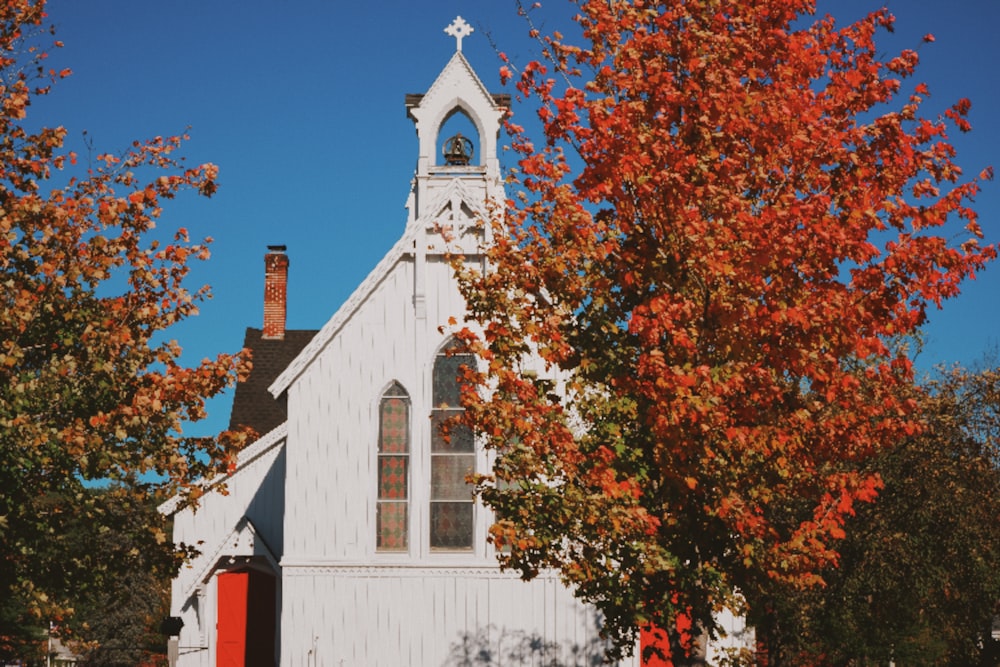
(917, 580)
(91, 390)
(689, 319)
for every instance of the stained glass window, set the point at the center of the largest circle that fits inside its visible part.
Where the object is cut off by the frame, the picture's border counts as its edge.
(391, 512)
(452, 457)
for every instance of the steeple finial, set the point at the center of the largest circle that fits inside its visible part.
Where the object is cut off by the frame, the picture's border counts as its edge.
(459, 29)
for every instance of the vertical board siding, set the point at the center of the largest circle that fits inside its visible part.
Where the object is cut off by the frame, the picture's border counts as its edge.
(330, 511)
(422, 608)
(435, 618)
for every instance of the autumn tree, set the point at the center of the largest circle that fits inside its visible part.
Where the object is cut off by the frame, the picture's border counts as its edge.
(114, 574)
(688, 322)
(91, 389)
(122, 604)
(917, 580)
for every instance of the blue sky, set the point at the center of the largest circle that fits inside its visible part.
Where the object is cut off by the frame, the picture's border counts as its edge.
(300, 103)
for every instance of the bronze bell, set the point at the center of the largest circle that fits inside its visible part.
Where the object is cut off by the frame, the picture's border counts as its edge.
(457, 150)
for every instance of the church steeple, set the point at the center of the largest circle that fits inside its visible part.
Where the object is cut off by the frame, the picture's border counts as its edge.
(455, 175)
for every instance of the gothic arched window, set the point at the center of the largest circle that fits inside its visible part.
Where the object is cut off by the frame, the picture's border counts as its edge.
(392, 508)
(453, 457)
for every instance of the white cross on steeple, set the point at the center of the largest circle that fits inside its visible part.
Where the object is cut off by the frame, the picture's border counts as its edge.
(459, 29)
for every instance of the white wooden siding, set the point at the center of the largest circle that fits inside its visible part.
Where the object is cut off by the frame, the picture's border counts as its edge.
(432, 617)
(345, 604)
(333, 419)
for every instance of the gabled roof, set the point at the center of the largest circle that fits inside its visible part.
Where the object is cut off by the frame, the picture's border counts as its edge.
(253, 406)
(457, 68)
(243, 542)
(253, 451)
(405, 245)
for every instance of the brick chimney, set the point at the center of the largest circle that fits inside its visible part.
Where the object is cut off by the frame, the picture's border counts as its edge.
(275, 291)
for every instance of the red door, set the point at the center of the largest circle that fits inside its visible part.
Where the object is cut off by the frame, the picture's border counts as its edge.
(231, 646)
(246, 619)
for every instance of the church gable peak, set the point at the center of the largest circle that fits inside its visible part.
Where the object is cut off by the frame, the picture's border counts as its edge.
(456, 79)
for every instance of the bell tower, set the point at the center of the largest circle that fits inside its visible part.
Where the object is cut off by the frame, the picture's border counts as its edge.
(456, 176)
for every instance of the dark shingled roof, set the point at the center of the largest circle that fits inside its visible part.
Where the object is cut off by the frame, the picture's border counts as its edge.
(253, 404)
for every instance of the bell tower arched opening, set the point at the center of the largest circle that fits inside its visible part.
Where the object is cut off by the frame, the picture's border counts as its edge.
(458, 140)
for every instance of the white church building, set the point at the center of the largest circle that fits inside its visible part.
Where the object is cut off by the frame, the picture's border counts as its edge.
(348, 535)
